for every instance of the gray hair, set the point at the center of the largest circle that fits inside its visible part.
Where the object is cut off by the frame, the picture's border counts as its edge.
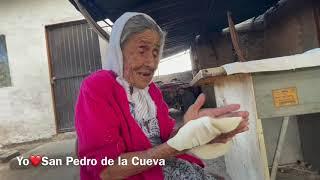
(138, 24)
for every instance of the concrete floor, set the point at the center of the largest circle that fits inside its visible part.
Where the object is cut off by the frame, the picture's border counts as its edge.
(59, 149)
(64, 145)
(40, 173)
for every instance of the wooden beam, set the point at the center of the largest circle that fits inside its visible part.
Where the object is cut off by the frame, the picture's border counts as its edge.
(316, 14)
(102, 33)
(207, 75)
(235, 38)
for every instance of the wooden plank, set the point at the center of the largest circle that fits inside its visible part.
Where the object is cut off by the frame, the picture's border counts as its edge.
(206, 76)
(263, 150)
(282, 137)
(49, 43)
(316, 15)
(102, 33)
(72, 51)
(247, 158)
(235, 38)
(307, 84)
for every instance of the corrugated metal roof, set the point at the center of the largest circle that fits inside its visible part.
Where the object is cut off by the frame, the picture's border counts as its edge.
(181, 19)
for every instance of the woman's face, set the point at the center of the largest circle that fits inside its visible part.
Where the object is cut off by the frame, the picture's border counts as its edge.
(141, 58)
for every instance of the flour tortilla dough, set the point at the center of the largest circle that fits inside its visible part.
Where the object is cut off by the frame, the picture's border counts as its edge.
(194, 133)
(211, 151)
(227, 124)
(201, 131)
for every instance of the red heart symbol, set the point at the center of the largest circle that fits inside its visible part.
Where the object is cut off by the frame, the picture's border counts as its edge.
(35, 160)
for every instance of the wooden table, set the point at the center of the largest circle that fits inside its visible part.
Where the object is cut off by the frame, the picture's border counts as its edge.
(276, 87)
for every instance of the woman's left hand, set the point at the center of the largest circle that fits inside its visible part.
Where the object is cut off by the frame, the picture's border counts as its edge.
(195, 112)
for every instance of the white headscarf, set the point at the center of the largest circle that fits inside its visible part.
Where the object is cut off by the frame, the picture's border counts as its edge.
(143, 105)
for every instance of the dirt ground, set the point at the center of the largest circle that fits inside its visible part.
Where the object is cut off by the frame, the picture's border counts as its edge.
(215, 166)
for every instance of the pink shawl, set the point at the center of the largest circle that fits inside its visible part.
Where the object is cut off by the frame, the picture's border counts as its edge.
(105, 127)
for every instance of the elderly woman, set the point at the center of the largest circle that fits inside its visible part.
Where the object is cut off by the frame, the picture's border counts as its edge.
(121, 113)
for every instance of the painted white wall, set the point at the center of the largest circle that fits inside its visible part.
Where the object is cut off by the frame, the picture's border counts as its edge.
(103, 51)
(26, 108)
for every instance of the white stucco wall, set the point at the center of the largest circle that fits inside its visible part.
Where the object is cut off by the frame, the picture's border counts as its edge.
(103, 51)
(26, 109)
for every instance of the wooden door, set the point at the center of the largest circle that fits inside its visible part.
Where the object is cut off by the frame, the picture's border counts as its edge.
(74, 53)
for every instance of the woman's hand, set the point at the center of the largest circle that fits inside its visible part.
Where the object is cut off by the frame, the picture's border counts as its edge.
(195, 133)
(195, 112)
(225, 137)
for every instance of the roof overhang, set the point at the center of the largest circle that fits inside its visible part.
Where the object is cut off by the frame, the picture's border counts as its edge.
(181, 19)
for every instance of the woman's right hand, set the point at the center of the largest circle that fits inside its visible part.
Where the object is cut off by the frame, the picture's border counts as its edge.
(225, 137)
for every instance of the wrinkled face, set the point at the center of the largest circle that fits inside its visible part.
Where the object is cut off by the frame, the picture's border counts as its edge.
(141, 58)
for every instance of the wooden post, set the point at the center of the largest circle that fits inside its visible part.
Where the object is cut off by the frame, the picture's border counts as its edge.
(316, 14)
(102, 33)
(235, 38)
(246, 159)
(277, 155)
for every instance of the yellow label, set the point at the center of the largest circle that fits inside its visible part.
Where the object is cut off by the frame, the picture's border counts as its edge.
(285, 97)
